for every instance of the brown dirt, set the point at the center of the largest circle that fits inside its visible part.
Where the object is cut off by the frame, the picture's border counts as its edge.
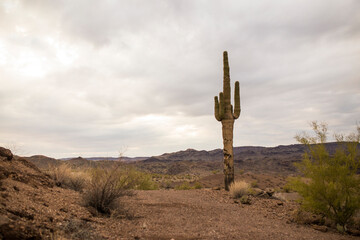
(32, 207)
(260, 180)
(208, 214)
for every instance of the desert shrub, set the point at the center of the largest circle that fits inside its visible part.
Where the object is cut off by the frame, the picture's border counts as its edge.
(197, 185)
(254, 184)
(330, 185)
(183, 186)
(287, 187)
(141, 180)
(166, 184)
(65, 177)
(239, 189)
(60, 174)
(105, 188)
(77, 182)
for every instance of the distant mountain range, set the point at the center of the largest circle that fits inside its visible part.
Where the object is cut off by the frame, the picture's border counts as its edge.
(126, 159)
(278, 159)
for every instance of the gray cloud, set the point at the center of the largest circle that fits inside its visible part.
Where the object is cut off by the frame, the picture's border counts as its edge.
(88, 78)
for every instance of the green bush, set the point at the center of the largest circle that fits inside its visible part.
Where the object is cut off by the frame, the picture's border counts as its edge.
(141, 180)
(330, 185)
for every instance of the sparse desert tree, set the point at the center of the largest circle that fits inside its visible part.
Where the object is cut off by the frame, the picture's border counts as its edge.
(330, 185)
(226, 114)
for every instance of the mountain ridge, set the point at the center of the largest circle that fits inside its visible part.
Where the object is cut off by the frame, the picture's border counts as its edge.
(279, 159)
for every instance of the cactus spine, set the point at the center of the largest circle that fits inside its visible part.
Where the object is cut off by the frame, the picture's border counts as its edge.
(225, 113)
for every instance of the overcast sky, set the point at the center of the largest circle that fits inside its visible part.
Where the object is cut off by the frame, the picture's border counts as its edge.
(95, 78)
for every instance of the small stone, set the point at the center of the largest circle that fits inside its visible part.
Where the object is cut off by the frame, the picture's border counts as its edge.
(4, 195)
(257, 192)
(270, 191)
(63, 210)
(320, 228)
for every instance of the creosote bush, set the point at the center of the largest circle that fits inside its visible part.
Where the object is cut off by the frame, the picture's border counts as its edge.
(330, 185)
(239, 189)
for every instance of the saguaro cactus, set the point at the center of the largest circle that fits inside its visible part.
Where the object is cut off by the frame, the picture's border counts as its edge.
(226, 114)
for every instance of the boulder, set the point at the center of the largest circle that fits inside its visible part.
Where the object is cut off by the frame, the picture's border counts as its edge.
(6, 153)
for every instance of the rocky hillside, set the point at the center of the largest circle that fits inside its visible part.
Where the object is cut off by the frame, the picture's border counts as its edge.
(32, 207)
(278, 159)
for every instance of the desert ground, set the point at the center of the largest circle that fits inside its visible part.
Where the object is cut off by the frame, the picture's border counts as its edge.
(32, 206)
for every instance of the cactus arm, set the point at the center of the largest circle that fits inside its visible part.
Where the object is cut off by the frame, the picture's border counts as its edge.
(217, 111)
(237, 109)
(222, 106)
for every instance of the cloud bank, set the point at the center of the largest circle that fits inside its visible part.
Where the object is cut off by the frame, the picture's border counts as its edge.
(93, 78)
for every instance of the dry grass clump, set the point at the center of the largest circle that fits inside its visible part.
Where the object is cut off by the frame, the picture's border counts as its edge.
(65, 176)
(239, 189)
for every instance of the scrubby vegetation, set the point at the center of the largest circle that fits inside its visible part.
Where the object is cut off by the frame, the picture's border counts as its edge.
(66, 177)
(239, 189)
(102, 187)
(187, 186)
(330, 185)
(105, 188)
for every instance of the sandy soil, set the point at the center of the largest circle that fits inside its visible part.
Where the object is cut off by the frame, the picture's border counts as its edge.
(208, 214)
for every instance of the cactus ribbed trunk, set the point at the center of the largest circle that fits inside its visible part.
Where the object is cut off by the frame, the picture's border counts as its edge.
(227, 130)
(225, 113)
